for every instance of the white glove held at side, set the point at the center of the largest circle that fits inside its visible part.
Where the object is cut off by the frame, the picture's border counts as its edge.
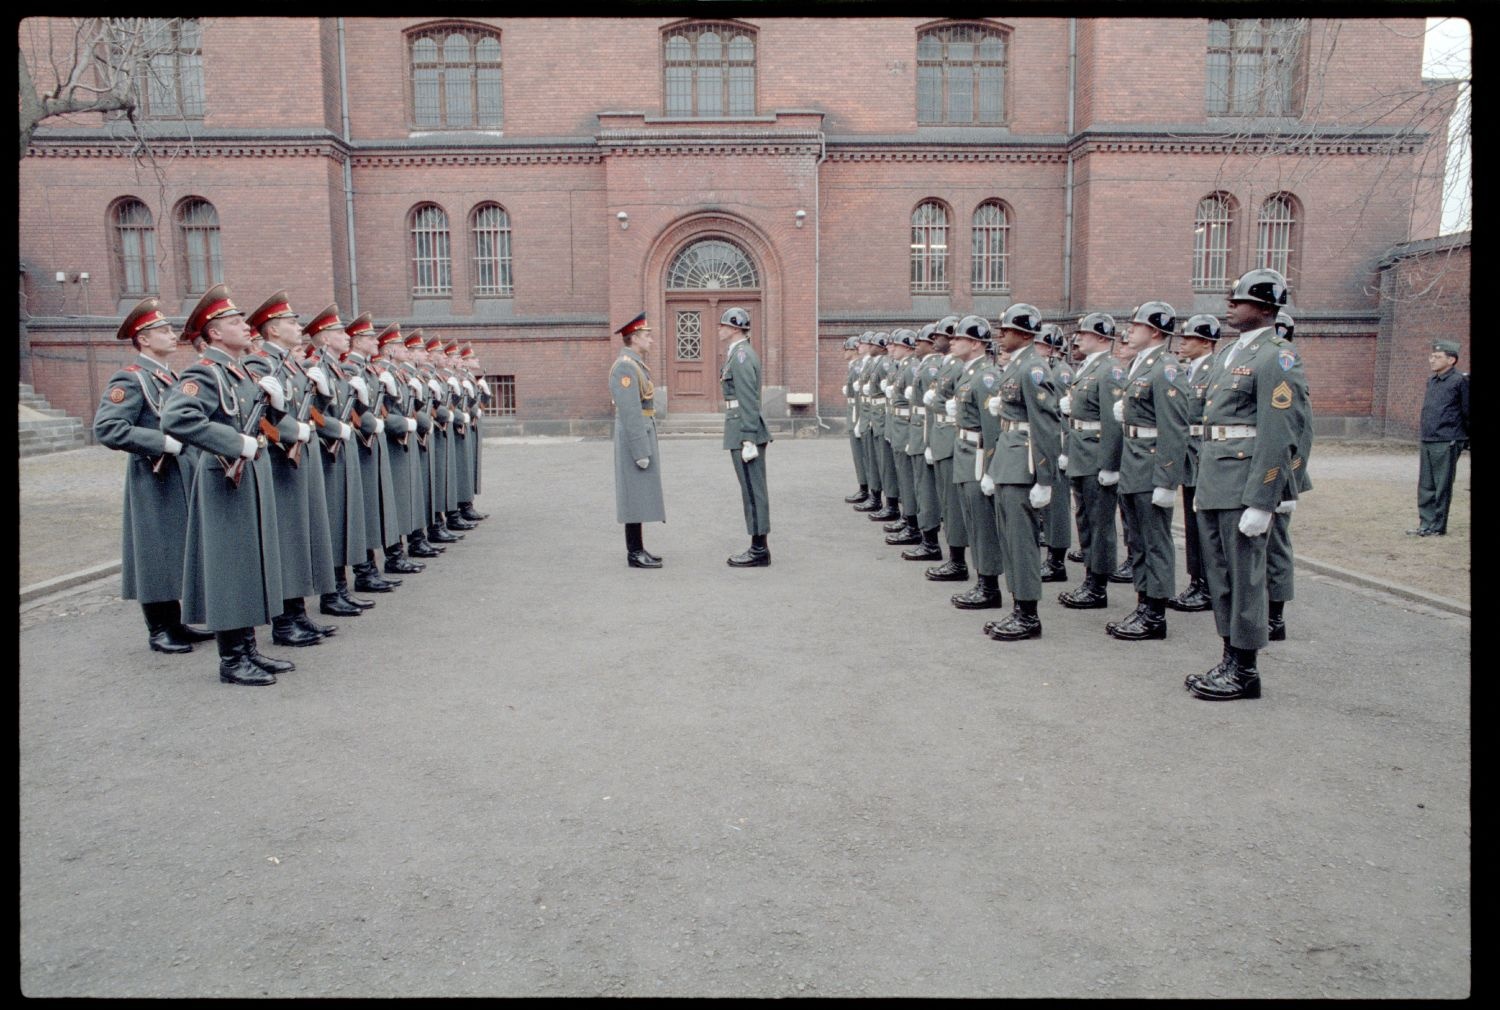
(987, 484)
(170, 445)
(1108, 478)
(1161, 497)
(950, 407)
(1286, 508)
(928, 397)
(643, 463)
(1040, 495)
(748, 451)
(1255, 522)
(907, 392)
(993, 406)
(1066, 403)
(1118, 411)
(1062, 461)
(927, 455)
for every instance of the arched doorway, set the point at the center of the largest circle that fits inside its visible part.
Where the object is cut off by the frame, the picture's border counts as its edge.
(703, 279)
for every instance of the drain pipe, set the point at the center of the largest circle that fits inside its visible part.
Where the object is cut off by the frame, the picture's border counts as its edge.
(1067, 265)
(348, 176)
(818, 280)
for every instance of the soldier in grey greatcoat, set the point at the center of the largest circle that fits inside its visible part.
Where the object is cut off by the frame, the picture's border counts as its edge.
(232, 558)
(638, 497)
(157, 476)
(400, 442)
(746, 434)
(382, 526)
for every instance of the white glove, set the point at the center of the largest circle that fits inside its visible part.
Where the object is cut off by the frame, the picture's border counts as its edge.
(411, 422)
(907, 392)
(345, 431)
(1286, 508)
(1109, 478)
(885, 387)
(304, 431)
(389, 382)
(248, 447)
(437, 390)
(1062, 461)
(1066, 403)
(950, 407)
(987, 484)
(1255, 522)
(1118, 410)
(868, 387)
(273, 390)
(993, 406)
(453, 383)
(466, 417)
(859, 427)
(416, 387)
(170, 445)
(379, 426)
(748, 451)
(468, 387)
(643, 463)
(1040, 495)
(361, 390)
(484, 386)
(320, 379)
(927, 455)
(928, 397)
(1162, 497)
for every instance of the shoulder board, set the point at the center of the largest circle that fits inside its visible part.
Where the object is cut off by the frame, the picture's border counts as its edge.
(205, 361)
(132, 368)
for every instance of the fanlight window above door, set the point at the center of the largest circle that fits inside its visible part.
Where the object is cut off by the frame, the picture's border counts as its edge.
(710, 265)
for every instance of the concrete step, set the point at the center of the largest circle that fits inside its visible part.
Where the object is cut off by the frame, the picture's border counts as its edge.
(42, 428)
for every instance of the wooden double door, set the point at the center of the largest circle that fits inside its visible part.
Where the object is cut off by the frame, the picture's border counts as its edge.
(690, 346)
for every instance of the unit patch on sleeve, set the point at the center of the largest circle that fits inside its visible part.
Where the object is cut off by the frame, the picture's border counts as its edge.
(624, 382)
(117, 395)
(1038, 375)
(190, 388)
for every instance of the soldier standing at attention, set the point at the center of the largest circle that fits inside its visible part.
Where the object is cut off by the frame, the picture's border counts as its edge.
(1057, 521)
(746, 434)
(928, 517)
(232, 557)
(1280, 563)
(408, 368)
(863, 417)
(1255, 395)
(851, 395)
(1195, 348)
(481, 395)
(899, 423)
(942, 439)
(638, 497)
(1091, 456)
(978, 381)
(1444, 434)
(157, 477)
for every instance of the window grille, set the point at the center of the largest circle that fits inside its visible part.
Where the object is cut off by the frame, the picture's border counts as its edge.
(712, 264)
(492, 263)
(169, 82)
(1253, 66)
(503, 388)
(929, 248)
(135, 248)
(455, 75)
(991, 239)
(432, 261)
(708, 70)
(1275, 234)
(198, 227)
(1211, 229)
(961, 75)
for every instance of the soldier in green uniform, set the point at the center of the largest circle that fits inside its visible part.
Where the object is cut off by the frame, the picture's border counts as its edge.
(942, 439)
(638, 496)
(1091, 456)
(863, 418)
(464, 438)
(231, 559)
(1022, 465)
(1124, 356)
(440, 408)
(301, 503)
(1255, 395)
(853, 364)
(976, 384)
(899, 423)
(1195, 347)
(157, 476)
(1154, 411)
(746, 434)
(927, 518)
(1057, 520)
(878, 378)
(1280, 564)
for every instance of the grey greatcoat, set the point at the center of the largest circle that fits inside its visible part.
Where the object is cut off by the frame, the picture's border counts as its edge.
(381, 526)
(401, 445)
(344, 491)
(231, 576)
(156, 504)
(638, 497)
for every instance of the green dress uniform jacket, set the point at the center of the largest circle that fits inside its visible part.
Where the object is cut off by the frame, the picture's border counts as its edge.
(343, 486)
(1027, 443)
(968, 462)
(128, 419)
(231, 575)
(1155, 397)
(852, 397)
(638, 496)
(740, 383)
(1093, 435)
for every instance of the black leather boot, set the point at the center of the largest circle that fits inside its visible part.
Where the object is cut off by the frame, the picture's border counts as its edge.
(1053, 569)
(895, 525)
(891, 511)
(457, 522)
(906, 534)
(234, 663)
(1022, 623)
(1224, 660)
(266, 663)
(397, 563)
(298, 609)
(1238, 678)
(159, 629)
(1140, 604)
(179, 631)
(1092, 595)
(1192, 599)
(1148, 622)
(367, 579)
(983, 595)
(469, 512)
(927, 549)
(342, 587)
(870, 504)
(1076, 557)
(286, 631)
(1125, 573)
(418, 547)
(757, 556)
(952, 570)
(1277, 622)
(858, 496)
(438, 535)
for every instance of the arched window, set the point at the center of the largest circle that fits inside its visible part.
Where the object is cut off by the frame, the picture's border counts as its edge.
(708, 69)
(1276, 234)
(490, 226)
(455, 78)
(431, 254)
(198, 231)
(135, 247)
(712, 264)
(991, 247)
(1254, 66)
(1211, 229)
(929, 248)
(961, 74)
(169, 79)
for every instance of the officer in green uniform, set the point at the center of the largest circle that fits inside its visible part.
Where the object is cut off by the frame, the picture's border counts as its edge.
(157, 476)
(1057, 520)
(1124, 355)
(301, 502)
(880, 373)
(978, 381)
(638, 496)
(746, 434)
(1256, 392)
(853, 364)
(1444, 435)
(927, 518)
(1022, 465)
(898, 428)
(1280, 563)
(1091, 456)
(231, 560)
(864, 414)
(1195, 345)
(941, 441)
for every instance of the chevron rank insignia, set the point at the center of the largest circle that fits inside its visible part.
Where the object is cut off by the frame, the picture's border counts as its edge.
(1271, 474)
(1281, 396)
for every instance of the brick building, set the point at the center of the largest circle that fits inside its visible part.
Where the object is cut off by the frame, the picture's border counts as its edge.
(530, 184)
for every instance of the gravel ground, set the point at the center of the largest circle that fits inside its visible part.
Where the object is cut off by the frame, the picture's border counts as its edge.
(534, 771)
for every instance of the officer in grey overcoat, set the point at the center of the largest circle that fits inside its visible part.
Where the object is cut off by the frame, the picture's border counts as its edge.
(638, 497)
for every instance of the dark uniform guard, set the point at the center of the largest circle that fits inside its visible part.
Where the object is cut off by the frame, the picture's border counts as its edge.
(900, 421)
(746, 434)
(1255, 395)
(480, 396)
(400, 432)
(1057, 520)
(942, 438)
(1091, 456)
(1195, 346)
(157, 476)
(851, 397)
(927, 363)
(864, 416)
(381, 521)
(410, 370)
(1444, 434)
(1280, 562)
(978, 381)
(638, 496)
(232, 557)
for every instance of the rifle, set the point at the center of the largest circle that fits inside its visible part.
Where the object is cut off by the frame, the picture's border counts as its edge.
(257, 422)
(344, 414)
(294, 454)
(403, 438)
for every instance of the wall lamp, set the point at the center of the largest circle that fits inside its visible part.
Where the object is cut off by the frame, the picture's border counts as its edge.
(624, 220)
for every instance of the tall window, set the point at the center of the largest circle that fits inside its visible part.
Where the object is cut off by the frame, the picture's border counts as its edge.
(455, 79)
(1253, 66)
(709, 70)
(432, 258)
(1211, 226)
(490, 226)
(929, 248)
(961, 75)
(1276, 232)
(198, 229)
(135, 247)
(991, 235)
(169, 81)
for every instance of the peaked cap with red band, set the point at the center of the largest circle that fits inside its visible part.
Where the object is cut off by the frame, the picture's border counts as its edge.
(214, 304)
(435, 344)
(362, 324)
(145, 316)
(414, 339)
(451, 348)
(389, 335)
(278, 306)
(635, 325)
(328, 319)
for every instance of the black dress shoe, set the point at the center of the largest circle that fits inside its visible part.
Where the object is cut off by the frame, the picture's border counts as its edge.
(1227, 682)
(1076, 557)
(374, 584)
(885, 514)
(978, 598)
(398, 565)
(1125, 573)
(161, 640)
(306, 624)
(857, 496)
(904, 535)
(948, 571)
(1140, 626)
(925, 551)
(1086, 597)
(653, 557)
(1224, 660)
(640, 559)
(754, 557)
(458, 522)
(439, 535)
(286, 631)
(469, 512)
(1193, 599)
(333, 605)
(1054, 571)
(422, 549)
(1112, 625)
(1276, 629)
(870, 504)
(1420, 531)
(355, 601)
(1016, 627)
(895, 525)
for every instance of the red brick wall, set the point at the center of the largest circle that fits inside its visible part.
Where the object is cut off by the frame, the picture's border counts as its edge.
(1426, 298)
